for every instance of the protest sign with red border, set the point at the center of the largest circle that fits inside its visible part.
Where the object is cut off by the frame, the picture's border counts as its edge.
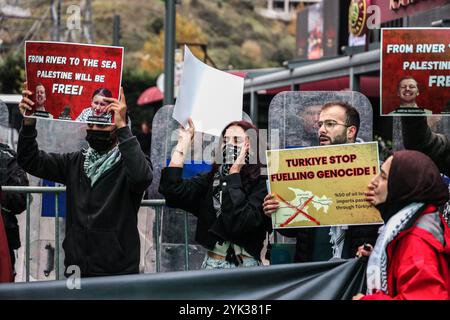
(420, 56)
(64, 76)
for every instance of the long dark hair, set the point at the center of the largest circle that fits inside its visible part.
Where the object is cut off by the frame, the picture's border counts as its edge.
(249, 172)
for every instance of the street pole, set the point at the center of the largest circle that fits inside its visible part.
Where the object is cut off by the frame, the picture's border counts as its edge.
(116, 30)
(169, 52)
(58, 22)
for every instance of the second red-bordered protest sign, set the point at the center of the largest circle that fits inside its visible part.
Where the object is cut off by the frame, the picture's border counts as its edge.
(415, 71)
(68, 80)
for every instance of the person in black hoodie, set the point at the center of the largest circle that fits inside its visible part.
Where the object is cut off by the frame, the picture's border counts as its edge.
(227, 201)
(105, 184)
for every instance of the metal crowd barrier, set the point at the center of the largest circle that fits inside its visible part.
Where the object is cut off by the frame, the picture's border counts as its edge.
(158, 204)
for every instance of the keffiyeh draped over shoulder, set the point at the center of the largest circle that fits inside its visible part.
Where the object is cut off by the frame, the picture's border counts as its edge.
(96, 165)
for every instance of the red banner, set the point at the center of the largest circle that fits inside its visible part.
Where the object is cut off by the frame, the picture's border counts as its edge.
(415, 71)
(68, 80)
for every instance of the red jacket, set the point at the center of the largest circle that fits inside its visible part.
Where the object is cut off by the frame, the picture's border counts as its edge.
(418, 266)
(6, 272)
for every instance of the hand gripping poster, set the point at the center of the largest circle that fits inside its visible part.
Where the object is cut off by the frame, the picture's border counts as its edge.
(68, 81)
(323, 186)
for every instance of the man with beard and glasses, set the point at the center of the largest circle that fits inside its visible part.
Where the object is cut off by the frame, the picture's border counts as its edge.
(105, 184)
(338, 124)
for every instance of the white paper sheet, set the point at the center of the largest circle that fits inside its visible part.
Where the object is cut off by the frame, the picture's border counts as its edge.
(212, 98)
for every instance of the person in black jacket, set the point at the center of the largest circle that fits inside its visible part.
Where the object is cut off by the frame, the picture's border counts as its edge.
(227, 201)
(417, 135)
(12, 203)
(338, 124)
(105, 184)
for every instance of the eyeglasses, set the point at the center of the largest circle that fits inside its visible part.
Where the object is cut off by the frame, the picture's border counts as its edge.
(329, 124)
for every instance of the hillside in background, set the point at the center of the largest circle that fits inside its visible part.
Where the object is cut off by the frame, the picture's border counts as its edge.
(236, 36)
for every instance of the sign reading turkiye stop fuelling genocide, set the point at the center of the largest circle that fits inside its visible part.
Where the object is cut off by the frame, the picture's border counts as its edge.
(68, 81)
(323, 186)
(415, 71)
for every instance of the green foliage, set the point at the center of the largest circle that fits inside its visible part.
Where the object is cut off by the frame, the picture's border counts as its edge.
(218, 24)
(233, 24)
(155, 25)
(285, 50)
(225, 25)
(243, 4)
(134, 82)
(187, 31)
(12, 74)
(237, 37)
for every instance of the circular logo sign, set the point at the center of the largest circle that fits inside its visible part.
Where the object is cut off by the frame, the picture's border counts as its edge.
(357, 17)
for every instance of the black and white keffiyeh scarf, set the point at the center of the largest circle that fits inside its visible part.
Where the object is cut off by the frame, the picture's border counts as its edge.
(217, 192)
(377, 265)
(446, 210)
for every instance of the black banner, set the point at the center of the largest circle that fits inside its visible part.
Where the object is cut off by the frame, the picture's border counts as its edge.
(331, 280)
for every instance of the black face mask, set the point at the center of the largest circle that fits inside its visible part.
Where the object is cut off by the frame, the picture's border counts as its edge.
(230, 153)
(101, 141)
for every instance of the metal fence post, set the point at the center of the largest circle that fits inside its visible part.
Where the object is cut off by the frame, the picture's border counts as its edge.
(27, 240)
(158, 204)
(158, 244)
(186, 242)
(57, 234)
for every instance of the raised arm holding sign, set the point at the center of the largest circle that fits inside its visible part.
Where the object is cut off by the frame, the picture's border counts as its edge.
(67, 80)
(105, 182)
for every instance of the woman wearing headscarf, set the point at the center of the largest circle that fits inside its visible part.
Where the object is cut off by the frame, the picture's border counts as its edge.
(227, 201)
(411, 258)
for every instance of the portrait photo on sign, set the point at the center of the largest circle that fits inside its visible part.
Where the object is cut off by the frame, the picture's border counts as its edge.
(70, 81)
(415, 71)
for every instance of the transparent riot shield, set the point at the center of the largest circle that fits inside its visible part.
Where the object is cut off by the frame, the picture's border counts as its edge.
(292, 116)
(5, 134)
(292, 123)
